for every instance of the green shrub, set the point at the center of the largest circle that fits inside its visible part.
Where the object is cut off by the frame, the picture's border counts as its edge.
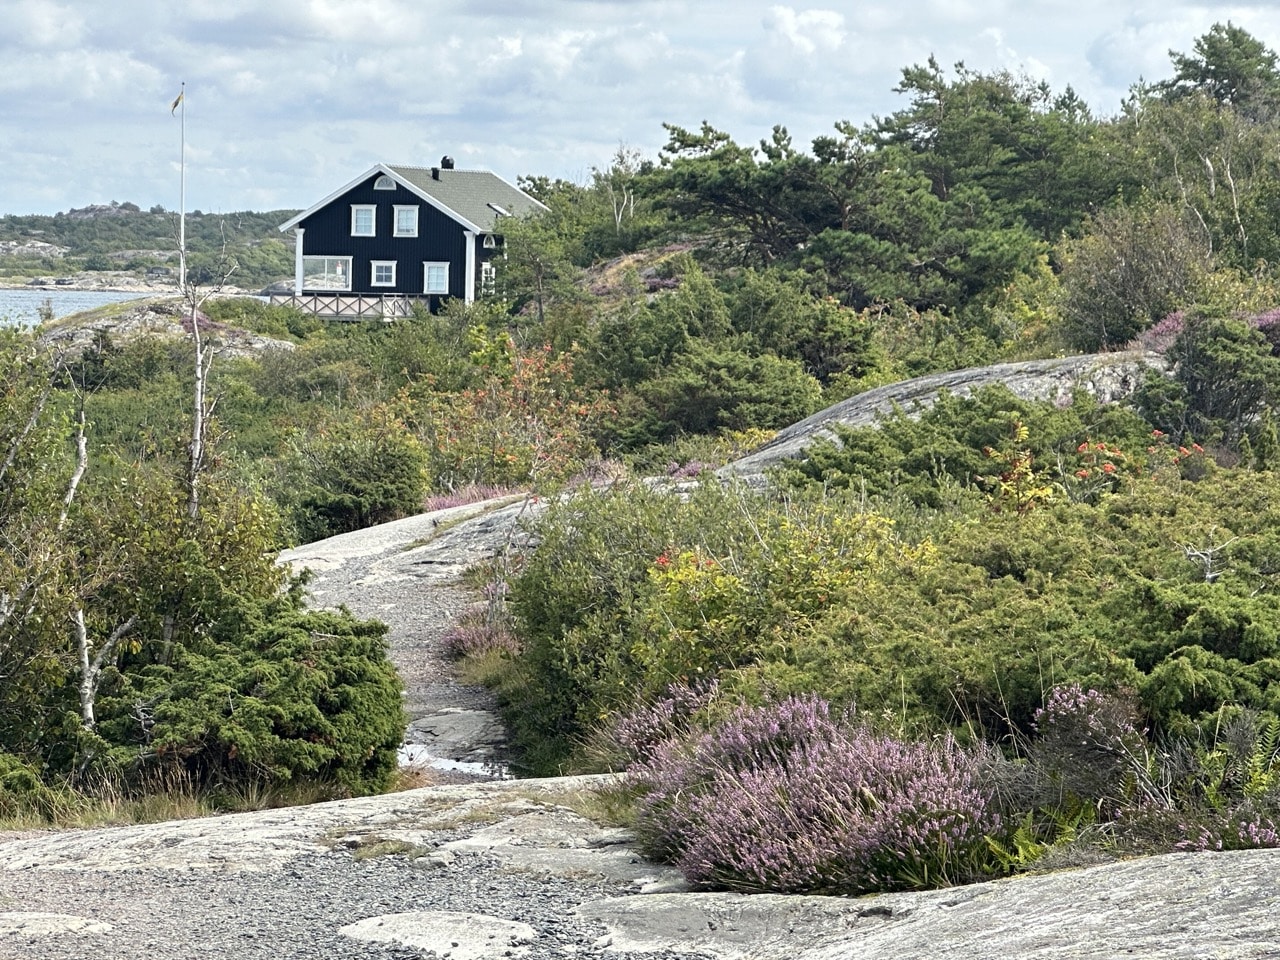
(277, 693)
(631, 590)
(917, 457)
(23, 795)
(356, 473)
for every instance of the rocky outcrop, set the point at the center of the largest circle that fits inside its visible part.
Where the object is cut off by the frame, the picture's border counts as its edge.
(163, 318)
(1109, 377)
(31, 248)
(508, 869)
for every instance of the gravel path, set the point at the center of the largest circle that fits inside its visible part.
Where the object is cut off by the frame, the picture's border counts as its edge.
(408, 575)
(151, 891)
(296, 913)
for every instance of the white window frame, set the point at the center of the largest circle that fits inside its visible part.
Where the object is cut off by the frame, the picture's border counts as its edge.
(384, 183)
(334, 275)
(372, 210)
(427, 265)
(488, 278)
(395, 221)
(373, 273)
(490, 242)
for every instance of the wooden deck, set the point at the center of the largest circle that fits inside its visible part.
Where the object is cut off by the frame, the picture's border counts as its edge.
(345, 306)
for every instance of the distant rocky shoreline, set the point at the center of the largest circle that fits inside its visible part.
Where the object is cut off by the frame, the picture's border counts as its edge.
(107, 282)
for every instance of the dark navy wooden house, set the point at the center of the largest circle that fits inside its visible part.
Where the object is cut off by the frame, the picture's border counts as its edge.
(400, 232)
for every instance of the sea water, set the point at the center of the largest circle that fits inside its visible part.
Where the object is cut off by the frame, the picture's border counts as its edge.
(22, 306)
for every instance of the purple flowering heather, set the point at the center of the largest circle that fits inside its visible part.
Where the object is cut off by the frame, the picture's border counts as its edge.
(1160, 336)
(639, 731)
(475, 493)
(1092, 743)
(1240, 830)
(477, 638)
(1269, 324)
(785, 798)
(687, 471)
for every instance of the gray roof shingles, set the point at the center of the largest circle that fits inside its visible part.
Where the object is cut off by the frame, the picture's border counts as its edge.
(469, 193)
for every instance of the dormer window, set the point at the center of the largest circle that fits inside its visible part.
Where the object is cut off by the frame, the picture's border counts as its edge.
(384, 183)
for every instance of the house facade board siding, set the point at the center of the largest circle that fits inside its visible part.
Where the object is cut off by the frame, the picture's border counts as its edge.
(440, 239)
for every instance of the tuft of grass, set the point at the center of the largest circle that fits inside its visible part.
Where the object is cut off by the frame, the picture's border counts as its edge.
(610, 805)
(475, 493)
(379, 847)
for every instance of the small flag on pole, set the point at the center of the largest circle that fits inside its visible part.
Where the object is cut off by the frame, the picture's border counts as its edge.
(174, 107)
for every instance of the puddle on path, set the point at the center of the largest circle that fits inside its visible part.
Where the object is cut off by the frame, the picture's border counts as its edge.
(420, 755)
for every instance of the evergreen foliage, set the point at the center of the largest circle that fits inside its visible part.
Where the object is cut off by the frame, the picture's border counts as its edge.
(946, 573)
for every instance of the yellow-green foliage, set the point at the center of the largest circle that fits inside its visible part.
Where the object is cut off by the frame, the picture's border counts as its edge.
(632, 591)
(1164, 586)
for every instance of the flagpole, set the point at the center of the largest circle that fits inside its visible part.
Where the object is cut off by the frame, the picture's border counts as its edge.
(182, 194)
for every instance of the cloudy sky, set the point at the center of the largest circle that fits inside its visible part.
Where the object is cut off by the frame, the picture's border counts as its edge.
(287, 100)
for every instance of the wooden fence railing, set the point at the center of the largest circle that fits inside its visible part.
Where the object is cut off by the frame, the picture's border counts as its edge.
(345, 306)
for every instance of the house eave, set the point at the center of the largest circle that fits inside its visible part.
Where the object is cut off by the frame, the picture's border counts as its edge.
(382, 168)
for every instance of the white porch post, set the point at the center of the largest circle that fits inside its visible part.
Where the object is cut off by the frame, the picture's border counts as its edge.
(470, 281)
(297, 261)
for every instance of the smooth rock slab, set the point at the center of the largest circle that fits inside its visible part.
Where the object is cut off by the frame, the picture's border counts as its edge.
(32, 925)
(1224, 906)
(473, 736)
(1109, 377)
(456, 936)
(558, 841)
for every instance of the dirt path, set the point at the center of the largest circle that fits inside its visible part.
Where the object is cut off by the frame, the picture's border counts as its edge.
(408, 574)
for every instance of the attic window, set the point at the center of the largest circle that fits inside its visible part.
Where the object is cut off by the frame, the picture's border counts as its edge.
(490, 241)
(384, 183)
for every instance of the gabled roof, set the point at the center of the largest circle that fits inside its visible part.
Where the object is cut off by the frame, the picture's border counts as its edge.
(475, 198)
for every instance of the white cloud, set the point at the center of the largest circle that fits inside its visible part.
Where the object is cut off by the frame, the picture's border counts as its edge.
(43, 24)
(809, 32)
(291, 98)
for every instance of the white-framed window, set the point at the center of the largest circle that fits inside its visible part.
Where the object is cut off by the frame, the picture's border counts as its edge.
(384, 183)
(435, 277)
(488, 278)
(383, 273)
(326, 273)
(406, 221)
(363, 220)
(490, 241)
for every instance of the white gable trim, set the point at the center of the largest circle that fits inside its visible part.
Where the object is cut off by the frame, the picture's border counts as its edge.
(289, 224)
(382, 168)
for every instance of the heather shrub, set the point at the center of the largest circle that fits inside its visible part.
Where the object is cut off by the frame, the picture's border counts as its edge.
(787, 798)
(636, 734)
(1091, 745)
(472, 493)
(479, 636)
